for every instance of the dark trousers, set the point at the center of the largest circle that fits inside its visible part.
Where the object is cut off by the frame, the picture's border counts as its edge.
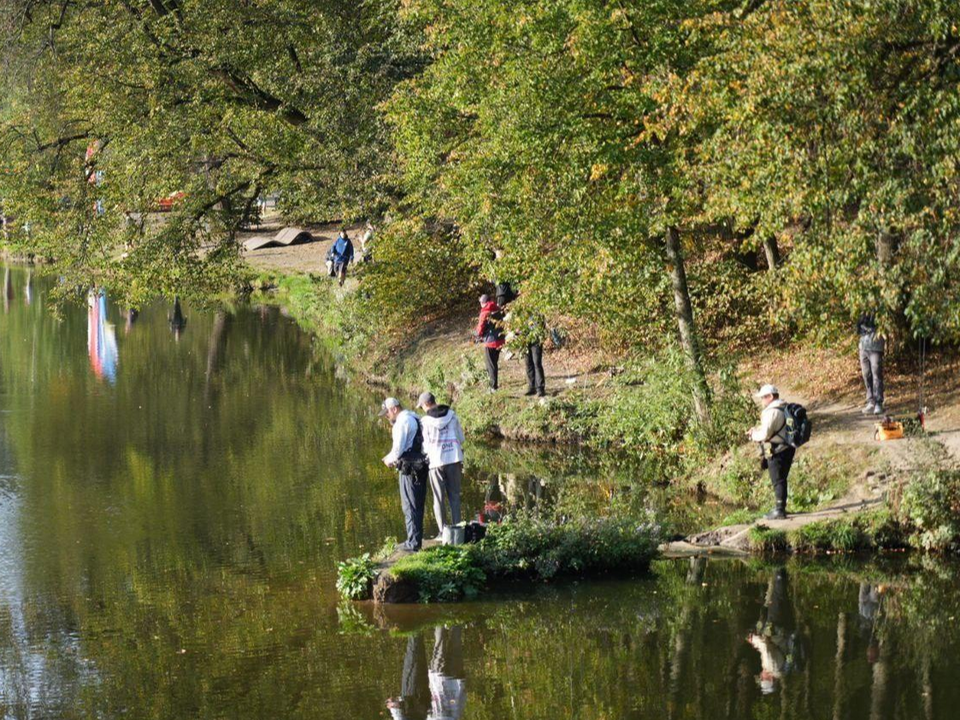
(779, 464)
(340, 270)
(871, 367)
(415, 681)
(492, 358)
(535, 379)
(413, 499)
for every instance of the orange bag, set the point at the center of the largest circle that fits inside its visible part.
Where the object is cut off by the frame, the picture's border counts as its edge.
(892, 430)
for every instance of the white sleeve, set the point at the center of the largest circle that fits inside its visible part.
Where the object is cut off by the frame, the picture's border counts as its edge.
(399, 430)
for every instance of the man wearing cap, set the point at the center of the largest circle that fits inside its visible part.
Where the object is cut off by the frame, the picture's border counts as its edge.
(443, 445)
(772, 430)
(407, 456)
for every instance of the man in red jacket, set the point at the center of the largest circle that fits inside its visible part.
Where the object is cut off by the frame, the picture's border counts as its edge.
(490, 333)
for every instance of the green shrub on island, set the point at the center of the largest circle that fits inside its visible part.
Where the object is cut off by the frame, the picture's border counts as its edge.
(527, 546)
(355, 577)
(931, 508)
(443, 574)
(523, 546)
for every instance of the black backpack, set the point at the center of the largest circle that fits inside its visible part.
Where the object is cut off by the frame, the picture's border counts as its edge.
(797, 426)
(505, 293)
(413, 461)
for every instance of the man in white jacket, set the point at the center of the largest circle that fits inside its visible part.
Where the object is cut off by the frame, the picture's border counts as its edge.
(772, 430)
(443, 445)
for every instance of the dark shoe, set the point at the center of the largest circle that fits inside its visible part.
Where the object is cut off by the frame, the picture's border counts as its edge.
(530, 392)
(776, 514)
(541, 393)
(407, 547)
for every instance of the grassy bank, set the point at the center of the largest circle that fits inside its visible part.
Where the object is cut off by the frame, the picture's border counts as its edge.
(639, 408)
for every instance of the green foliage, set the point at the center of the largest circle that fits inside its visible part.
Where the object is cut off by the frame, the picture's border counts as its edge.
(351, 621)
(443, 574)
(818, 477)
(830, 536)
(526, 546)
(931, 508)
(355, 577)
(419, 270)
(767, 540)
(221, 101)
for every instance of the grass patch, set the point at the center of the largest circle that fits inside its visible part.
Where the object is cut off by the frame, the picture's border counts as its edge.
(743, 516)
(875, 530)
(819, 477)
(767, 541)
(830, 536)
(442, 574)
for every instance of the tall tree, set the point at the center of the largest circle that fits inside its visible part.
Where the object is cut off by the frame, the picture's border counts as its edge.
(112, 106)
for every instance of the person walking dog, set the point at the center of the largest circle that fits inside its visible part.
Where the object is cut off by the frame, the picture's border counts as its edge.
(406, 455)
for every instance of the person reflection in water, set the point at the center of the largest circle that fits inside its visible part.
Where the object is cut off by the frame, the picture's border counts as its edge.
(177, 321)
(414, 700)
(7, 289)
(774, 639)
(130, 318)
(437, 693)
(448, 691)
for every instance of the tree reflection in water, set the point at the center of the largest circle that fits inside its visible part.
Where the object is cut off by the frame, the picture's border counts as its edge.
(169, 546)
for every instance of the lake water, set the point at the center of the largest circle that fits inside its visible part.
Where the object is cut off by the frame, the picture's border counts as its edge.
(175, 491)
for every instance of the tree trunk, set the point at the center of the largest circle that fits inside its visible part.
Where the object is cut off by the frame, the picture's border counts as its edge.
(688, 331)
(888, 243)
(772, 251)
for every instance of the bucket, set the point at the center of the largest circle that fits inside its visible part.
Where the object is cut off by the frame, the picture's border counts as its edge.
(889, 431)
(453, 535)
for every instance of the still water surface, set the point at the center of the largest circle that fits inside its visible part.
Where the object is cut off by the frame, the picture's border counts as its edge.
(175, 492)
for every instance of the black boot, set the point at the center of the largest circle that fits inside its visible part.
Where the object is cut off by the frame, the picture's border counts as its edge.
(529, 392)
(777, 513)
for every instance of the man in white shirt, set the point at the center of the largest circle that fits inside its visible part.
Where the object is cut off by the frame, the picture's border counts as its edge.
(772, 430)
(406, 454)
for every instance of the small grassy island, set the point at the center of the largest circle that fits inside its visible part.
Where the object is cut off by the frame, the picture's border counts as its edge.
(523, 548)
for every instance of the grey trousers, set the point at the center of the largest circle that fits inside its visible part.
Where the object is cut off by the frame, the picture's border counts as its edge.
(871, 367)
(413, 499)
(445, 483)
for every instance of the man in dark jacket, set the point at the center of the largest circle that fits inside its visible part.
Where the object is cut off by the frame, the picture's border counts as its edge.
(342, 256)
(535, 334)
(871, 349)
(406, 455)
(490, 332)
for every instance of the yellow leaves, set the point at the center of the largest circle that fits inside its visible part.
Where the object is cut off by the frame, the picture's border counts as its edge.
(598, 171)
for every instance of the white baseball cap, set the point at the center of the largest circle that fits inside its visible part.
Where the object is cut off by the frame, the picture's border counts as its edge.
(767, 390)
(390, 402)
